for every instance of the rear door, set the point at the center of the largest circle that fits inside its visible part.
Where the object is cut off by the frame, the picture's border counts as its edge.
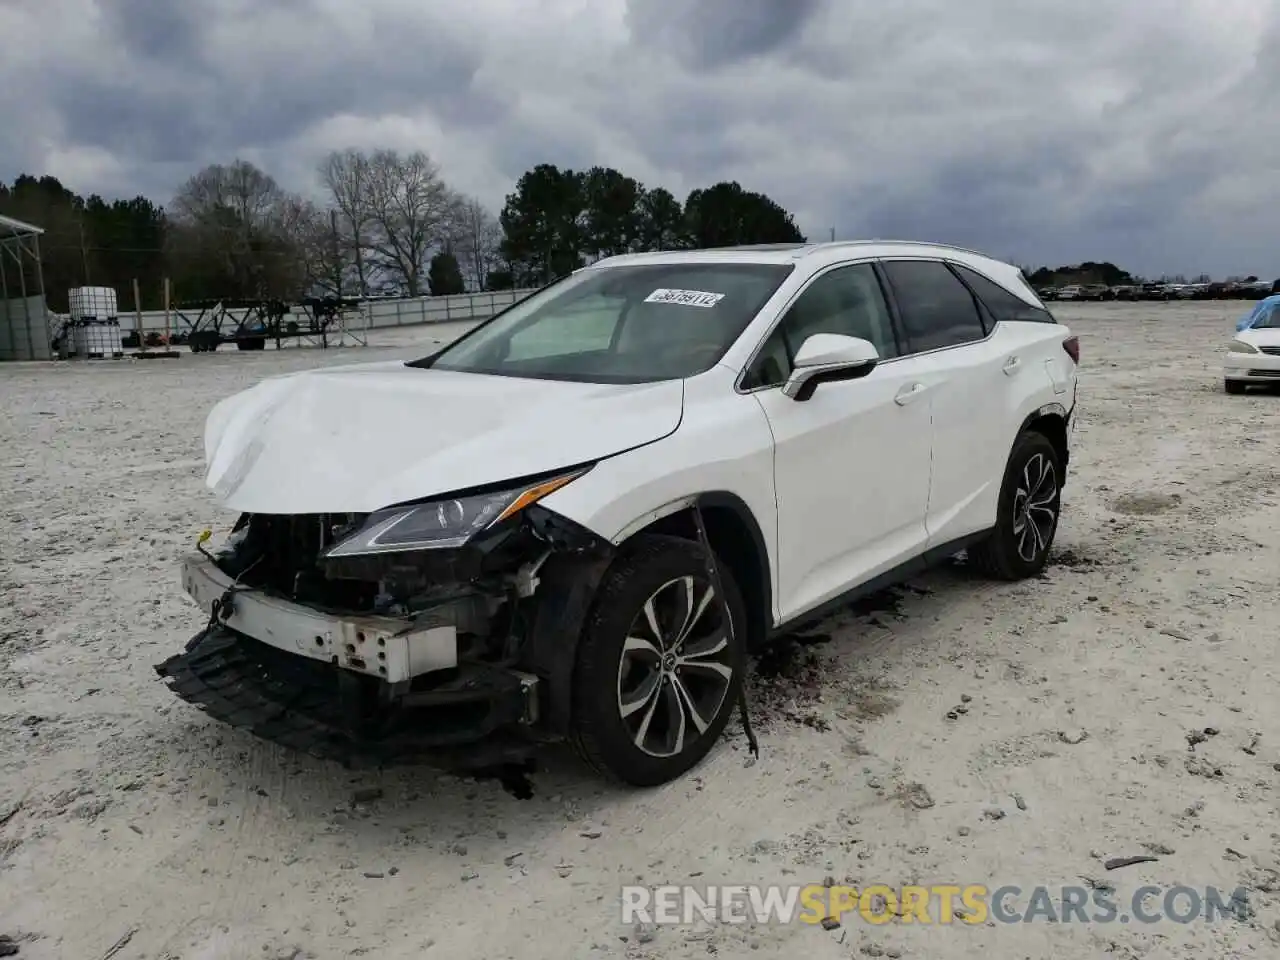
(1034, 327)
(967, 366)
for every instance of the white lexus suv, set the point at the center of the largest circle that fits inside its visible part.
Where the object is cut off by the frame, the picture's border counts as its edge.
(576, 521)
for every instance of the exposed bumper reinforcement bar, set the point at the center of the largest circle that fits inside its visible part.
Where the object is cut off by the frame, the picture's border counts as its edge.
(387, 647)
(470, 719)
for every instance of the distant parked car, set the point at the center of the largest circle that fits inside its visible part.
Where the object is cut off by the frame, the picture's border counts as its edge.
(1253, 356)
(1072, 292)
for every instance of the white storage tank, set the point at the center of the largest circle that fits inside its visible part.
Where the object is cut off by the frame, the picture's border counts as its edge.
(93, 303)
(94, 328)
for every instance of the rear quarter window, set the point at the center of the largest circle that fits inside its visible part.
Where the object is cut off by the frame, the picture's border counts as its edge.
(1002, 304)
(936, 309)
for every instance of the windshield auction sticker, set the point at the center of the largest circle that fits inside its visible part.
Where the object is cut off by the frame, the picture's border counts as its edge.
(684, 298)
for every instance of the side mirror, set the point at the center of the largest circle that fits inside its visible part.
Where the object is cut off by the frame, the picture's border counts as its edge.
(829, 358)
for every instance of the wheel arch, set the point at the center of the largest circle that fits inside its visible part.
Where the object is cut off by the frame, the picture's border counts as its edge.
(570, 584)
(1052, 421)
(738, 541)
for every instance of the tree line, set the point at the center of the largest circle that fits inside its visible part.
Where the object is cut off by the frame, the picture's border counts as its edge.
(1105, 273)
(385, 224)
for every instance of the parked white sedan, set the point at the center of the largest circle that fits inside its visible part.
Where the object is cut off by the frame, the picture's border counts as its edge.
(1253, 357)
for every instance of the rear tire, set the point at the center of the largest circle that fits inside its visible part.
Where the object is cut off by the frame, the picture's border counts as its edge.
(1233, 386)
(649, 704)
(1027, 515)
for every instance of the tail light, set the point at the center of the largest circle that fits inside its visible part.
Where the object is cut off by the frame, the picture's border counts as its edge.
(1072, 346)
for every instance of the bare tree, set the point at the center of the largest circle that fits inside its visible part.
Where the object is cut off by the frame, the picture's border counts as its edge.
(411, 211)
(476, 241)
(346, 176)
(325, 259)
(251, 195)
(239, 221)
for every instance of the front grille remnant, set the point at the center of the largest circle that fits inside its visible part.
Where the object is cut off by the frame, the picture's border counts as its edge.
(281, 553)
(292, 548)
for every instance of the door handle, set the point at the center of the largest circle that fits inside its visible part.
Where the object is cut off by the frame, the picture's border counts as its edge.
(1011, 366)
(907, 394)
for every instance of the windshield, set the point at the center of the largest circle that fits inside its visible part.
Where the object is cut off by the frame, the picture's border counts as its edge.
(626, 324)
(1268, 318)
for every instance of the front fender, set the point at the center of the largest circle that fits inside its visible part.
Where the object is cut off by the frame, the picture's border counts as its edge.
(723, 447)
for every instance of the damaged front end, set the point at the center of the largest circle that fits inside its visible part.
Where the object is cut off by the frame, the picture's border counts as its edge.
(442, 630)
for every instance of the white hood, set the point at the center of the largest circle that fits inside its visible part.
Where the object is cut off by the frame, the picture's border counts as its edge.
(354, 439)
(1261, 336)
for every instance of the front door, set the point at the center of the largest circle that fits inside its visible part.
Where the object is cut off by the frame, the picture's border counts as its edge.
(852, 462)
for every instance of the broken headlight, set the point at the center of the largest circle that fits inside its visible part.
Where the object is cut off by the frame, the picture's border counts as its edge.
(444, 523)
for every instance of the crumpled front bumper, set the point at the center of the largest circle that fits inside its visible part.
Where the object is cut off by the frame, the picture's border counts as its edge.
(350, 689)
(475, 719)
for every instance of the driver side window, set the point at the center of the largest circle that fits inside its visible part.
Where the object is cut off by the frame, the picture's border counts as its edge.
(846, 301)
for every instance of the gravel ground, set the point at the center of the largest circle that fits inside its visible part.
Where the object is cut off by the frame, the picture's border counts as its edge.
(954, 731)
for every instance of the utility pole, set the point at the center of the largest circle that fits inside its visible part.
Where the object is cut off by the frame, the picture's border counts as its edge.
(84, 253)
(833, 234)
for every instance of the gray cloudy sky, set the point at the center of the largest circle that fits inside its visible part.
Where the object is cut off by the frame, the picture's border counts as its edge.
(1141, 131)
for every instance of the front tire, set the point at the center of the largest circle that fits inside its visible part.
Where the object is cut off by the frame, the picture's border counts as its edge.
(657, 673)
(1027, 516)
(1233, 386)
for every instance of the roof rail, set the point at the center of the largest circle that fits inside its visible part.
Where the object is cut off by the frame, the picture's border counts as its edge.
(786, 245)
(880, 241)
(799, 250)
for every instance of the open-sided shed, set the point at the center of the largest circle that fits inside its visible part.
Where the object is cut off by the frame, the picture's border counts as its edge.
(24, 316)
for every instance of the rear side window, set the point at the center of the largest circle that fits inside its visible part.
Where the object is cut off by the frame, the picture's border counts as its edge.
(937, 309)
(1004, 306)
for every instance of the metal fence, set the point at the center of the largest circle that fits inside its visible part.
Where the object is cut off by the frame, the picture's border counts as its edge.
(377, 314)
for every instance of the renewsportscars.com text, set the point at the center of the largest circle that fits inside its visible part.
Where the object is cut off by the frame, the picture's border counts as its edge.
(936, 904)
